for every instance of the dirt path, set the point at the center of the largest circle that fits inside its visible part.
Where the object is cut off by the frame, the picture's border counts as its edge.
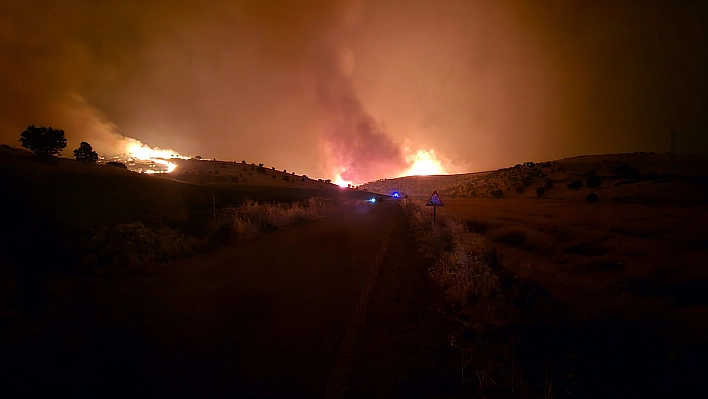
(291, 314)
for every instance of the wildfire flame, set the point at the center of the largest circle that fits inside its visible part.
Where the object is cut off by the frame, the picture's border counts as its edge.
(424, 163)
(138, 150)
(341, 182)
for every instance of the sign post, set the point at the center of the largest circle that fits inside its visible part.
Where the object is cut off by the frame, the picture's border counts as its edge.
(435, 202)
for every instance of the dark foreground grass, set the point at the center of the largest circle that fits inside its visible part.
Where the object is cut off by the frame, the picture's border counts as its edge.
(514, 339)
(68, 217)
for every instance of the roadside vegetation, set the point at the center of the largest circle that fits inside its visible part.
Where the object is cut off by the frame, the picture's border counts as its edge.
(133, 248)
(496, 330)
(590, 287)
(68, 217)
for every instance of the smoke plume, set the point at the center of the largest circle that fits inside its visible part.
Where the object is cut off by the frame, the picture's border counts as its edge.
(357, 147)
(330, 88)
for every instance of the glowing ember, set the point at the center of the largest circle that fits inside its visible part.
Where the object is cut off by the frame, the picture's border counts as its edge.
(341, 182)
(424, 163)
(419, 163)
(170, 166)
(139, 151)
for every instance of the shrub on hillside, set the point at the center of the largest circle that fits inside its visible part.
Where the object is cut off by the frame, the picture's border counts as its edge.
(626, 172)
(497, 193)
(592, 197)
(593, 182)
(576, 184)
(519, 189)
(540, 191)
(549, 184)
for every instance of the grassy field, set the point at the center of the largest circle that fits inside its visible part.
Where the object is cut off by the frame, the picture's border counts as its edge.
(580, 296)
(63, 214)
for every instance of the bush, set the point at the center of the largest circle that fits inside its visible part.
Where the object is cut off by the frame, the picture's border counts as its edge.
(497, 193)
(540, 191)
(272, 217)
(593, 182)
(576, 184)
(519, 189)
(549, 184)
(132, 245)
(592, 197)
(626, 172)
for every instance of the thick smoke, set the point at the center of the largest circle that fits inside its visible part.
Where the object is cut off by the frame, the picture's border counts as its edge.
(51, 55)
(336, 87)
(357, 147)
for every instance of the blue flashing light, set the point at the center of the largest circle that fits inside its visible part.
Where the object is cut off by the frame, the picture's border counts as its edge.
(396, 195)
(372, 200)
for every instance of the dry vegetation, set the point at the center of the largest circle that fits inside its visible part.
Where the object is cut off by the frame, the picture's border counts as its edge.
(98, 216)
(574, 296)
(213, 172)
(634, 178)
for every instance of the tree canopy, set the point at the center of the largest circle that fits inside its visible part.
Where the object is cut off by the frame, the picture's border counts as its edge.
(43, 141)
(85, 153)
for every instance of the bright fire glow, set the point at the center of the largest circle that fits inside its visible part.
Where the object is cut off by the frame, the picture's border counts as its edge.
(341, 182)
(170, 166)
(424, 163)
(419, 163)
(143, 152)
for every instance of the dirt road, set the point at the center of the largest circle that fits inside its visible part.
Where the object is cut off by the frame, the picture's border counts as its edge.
(335, 307)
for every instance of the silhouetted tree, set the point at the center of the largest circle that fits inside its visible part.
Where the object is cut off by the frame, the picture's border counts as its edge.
(45, 142)
(85, 153)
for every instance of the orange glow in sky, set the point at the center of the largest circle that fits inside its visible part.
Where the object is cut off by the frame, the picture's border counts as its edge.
(424, 163)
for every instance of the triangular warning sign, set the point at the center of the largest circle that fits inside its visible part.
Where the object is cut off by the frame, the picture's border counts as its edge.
(434, 200)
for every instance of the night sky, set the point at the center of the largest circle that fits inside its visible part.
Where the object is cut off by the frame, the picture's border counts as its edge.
(355, 88)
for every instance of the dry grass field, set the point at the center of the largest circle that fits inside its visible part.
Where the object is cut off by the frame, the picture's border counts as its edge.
(582, 276)
(629, 262)
(614, 282)
(65, 209)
